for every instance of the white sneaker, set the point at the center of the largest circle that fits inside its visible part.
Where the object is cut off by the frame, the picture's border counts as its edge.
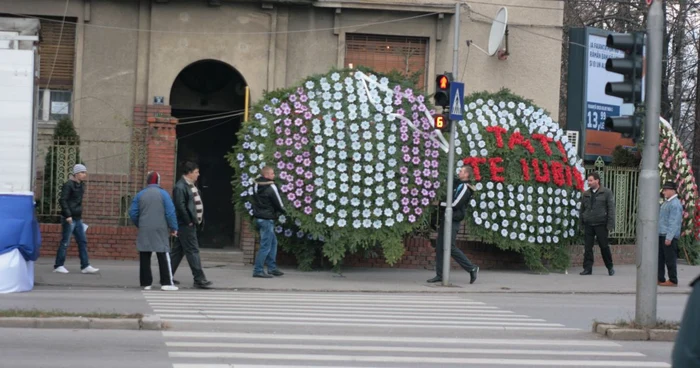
(90, 269)
(169, 288)
(60, 270)
(147, 287)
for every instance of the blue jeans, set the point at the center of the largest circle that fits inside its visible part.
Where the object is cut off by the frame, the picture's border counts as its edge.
(268, 246)
(76, 229)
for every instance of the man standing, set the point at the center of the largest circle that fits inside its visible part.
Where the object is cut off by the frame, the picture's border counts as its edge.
(71, 202)
(670, 219)
(686, 351)
(153, 212)
(190, 214)
(267, 206)
(461, 196)
(598, 218)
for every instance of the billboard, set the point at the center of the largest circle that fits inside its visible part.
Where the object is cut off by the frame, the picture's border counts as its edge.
(588, 105)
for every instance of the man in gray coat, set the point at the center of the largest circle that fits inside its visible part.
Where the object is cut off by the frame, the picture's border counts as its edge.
(153, 212)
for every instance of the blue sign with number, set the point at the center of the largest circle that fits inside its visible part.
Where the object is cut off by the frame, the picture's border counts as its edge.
(457, 101)
(596, 113)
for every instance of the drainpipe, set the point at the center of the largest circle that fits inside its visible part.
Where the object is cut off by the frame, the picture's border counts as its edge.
(272, 50)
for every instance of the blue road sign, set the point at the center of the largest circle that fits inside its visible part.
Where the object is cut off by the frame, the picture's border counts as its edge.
(457, 103)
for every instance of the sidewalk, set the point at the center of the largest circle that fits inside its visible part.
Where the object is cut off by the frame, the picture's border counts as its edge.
(125, 274)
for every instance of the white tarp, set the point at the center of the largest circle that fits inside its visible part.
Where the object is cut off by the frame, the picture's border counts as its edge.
(16, 124)
(16, 274)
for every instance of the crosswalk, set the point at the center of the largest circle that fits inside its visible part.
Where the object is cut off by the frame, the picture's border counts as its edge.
(317, 330)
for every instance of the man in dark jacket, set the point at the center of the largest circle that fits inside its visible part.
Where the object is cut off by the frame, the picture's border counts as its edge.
(71, 202)
(460, 198)
(190, 214)
(597, 218)
(267, 206)
(686, 351)
(153, 212)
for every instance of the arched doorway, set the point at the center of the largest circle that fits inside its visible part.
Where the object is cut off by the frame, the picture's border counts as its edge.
(208, 98)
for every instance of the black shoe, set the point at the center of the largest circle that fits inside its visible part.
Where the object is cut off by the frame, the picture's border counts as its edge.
(176, 282)
(473, 274)
(586, 272)
(206, 282)
(276, 273)
(262, 275)
(203, 285)
(611, 271)
(435, 279)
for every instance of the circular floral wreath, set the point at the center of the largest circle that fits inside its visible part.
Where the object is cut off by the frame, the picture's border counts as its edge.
(354, 157)
(674, 166)
(529, 179)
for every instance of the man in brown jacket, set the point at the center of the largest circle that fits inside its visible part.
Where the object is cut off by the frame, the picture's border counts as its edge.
(598, 219)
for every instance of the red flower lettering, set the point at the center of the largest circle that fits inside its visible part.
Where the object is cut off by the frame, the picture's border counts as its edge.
(498, 132)
(496, 170)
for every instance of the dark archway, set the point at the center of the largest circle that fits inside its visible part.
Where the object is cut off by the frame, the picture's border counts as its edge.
(208, 98)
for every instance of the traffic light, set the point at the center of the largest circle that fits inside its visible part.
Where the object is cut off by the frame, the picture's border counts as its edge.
(442, 90)
(631, 66)
(628, 126)
(441, 122)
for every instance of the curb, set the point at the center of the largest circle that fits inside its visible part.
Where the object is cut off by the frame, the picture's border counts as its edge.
(147, 323)
(456, 288)
(615, 332)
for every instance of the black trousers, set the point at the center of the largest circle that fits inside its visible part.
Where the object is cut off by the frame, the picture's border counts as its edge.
(668, 255)
(590, 233)
(163, 265)
(455, 252)
(186, 245)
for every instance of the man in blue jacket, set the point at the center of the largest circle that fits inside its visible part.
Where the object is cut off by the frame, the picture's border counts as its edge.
(153, 212)
(670, 219)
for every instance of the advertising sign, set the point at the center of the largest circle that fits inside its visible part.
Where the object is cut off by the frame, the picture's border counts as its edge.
(588, 105)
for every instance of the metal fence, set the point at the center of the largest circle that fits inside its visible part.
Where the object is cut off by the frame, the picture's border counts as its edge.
(624, 183)
(116, 170)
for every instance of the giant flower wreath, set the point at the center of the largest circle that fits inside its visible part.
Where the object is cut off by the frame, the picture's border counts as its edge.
(674, 166)
(528, 177)
(355, 158)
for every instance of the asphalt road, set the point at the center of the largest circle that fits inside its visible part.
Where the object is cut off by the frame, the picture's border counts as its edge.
(221, 329)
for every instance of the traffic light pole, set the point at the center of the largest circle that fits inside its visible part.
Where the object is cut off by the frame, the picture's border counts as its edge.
(648, 215)
(447, 222)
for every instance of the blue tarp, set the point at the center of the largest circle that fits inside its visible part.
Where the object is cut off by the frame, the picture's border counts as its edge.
(19, 228)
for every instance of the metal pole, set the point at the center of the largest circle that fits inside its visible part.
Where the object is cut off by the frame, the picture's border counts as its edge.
(447, 235)
(648, 217)
(247, 102)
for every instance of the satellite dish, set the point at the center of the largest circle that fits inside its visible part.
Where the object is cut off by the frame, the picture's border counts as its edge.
(498, 30)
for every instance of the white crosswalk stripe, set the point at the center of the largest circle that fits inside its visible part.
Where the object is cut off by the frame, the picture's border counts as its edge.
(395, 330)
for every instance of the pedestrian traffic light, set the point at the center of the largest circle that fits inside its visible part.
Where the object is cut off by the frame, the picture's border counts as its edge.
(442, 90)
(631, 66)
(441, 122)
(628, 126)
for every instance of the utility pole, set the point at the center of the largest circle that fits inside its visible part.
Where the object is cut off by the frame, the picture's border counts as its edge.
(447, 235)
(648, 216)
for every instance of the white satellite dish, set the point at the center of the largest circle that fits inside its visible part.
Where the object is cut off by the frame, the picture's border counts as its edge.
(498, 30)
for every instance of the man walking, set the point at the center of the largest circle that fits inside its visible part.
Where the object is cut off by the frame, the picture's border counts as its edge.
(670, 219)
(686, 351)
(71, 202)
(267, 206)
(598, 218)
(153, 212)
(189, 209)
(461, 196)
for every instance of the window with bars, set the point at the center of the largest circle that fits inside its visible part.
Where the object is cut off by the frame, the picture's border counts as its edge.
(389, 54)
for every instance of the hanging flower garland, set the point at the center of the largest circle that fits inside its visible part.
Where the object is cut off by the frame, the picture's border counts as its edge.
(674, 166)
(351, 170)
(528, 178)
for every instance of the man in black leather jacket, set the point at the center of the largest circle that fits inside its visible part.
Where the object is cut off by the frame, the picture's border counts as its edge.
(686, 351)
(71, 202)
(460, 198)
(267, 206)
(189, 209)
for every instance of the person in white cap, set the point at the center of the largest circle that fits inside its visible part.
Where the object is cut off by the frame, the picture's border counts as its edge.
(71, 202)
